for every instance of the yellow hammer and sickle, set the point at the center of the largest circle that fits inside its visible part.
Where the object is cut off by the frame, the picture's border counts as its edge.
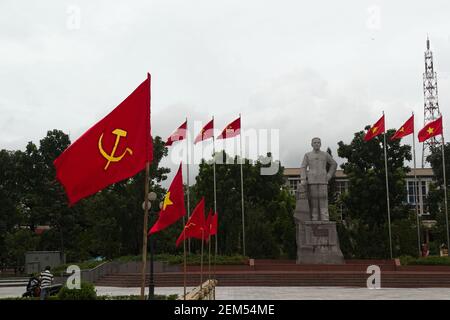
(190, 224)
(110, 157)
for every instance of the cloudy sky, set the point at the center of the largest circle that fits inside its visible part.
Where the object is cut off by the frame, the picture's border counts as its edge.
(315, 68)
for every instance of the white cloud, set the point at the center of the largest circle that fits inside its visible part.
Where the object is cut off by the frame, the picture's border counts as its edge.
(304, 68)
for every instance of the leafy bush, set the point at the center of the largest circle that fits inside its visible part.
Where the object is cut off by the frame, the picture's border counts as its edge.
(425, 261)
(86, 292)
(192, 259)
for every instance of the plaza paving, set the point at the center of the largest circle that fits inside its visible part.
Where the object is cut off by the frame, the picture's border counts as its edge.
(283, 293)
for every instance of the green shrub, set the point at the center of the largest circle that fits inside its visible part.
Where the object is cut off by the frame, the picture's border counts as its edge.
(192, 259)
(86, 292)
(425, 261)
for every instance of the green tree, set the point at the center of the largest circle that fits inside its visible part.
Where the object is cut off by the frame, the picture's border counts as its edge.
(18, 242)
(435, 197)
(270, 228)
(108, 223)
(9, 195)
(365, 202)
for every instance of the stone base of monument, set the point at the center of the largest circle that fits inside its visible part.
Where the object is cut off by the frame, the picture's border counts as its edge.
(318, 243)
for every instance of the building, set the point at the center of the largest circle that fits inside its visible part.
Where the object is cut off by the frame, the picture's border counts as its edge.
(424, 177)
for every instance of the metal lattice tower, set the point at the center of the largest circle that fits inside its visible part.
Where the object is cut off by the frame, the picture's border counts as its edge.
(431, 105)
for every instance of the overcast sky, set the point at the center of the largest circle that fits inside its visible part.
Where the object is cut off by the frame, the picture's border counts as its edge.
(305, 68)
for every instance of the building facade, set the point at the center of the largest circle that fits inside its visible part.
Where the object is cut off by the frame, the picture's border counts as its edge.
(422, 176)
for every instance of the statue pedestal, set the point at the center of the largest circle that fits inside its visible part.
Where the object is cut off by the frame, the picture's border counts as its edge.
(317, 243)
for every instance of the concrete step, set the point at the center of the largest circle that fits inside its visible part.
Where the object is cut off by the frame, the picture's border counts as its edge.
(283, 279)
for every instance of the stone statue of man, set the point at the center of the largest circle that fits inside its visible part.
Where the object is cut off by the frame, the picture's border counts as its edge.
(314, 175)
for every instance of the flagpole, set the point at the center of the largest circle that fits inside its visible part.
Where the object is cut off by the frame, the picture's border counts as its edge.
(201, 263)
(144, 242)
(214, 178)
(415, 187)
(187, 172)
(189, 214)
(209, 254)
(387, 193)
(146, 200)
(242, 188)
(215, 198)
(445, 190)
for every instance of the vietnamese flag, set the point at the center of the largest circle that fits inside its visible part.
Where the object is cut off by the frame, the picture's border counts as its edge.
(179, 134)
(405, 129)
(231, 130)
(196, 225)
(375, 130)
(115, 148)
(173, 204)
(206, 133)
(432, 129)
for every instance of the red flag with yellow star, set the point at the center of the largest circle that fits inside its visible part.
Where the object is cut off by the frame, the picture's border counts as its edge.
(206, 133)
(178, 134)
(115, 148)
(375, 130)
(196, 225)
(231, 130)
(432, 129)
(173, 204)
(405, 129)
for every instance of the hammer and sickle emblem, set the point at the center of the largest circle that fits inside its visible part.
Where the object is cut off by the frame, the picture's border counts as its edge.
(190, 224)
(110, 157)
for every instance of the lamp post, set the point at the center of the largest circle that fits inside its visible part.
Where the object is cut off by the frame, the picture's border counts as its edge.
(151, 285)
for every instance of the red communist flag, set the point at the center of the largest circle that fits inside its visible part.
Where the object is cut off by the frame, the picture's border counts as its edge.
(208, 224)
(178, 134)
(173, 204)
(231, 130)
(196, 225)
(206, 133)
(115, 148)
(432, 129)
(376, 129)
(211, 222)
(405, 129)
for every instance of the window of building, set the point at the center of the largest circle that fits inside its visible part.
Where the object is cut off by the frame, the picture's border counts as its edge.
(293, 185)
(341, 186)
(421, 194)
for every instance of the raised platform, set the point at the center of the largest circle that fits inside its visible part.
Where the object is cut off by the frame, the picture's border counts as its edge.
(286, 273)
(317, 243)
